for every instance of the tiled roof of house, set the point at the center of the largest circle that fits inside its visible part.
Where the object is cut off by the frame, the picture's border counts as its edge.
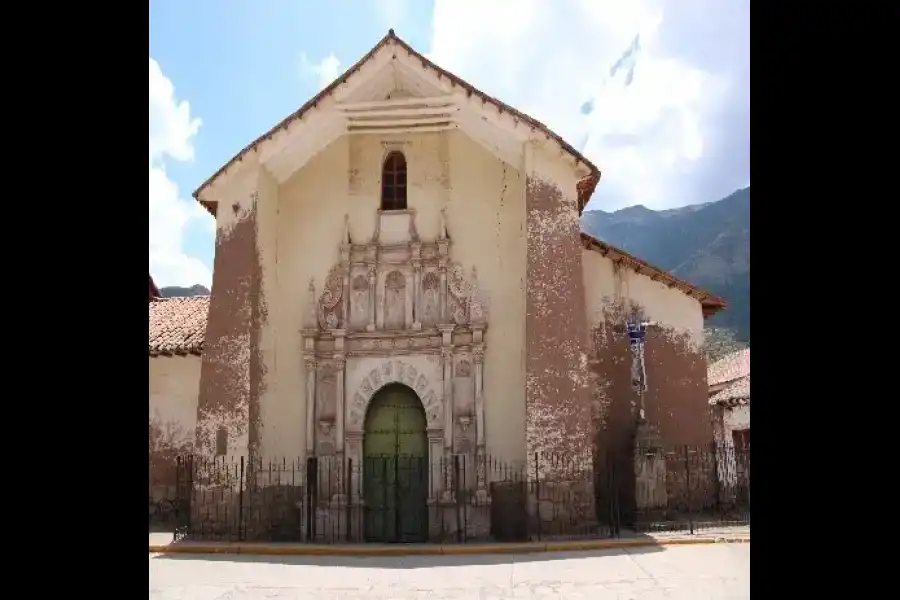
(177, 325)
(736, 393)
(731, 367)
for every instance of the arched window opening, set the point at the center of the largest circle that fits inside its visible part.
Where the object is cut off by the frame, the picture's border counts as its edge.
(393, 182)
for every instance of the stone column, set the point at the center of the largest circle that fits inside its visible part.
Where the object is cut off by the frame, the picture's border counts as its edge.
(417, 297)
(478, 357)
(480, 456)
(447, 356)
(372, 277)
(346, 246)
(340, 363)
(447, 360)
(442, 270)
(310, 363)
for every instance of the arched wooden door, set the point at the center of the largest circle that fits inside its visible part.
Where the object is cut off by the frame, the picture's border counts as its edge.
(395, 467)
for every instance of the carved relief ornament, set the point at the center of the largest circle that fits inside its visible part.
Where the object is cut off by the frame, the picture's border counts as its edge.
(329, 306)
(394, 371)
(478, 355)
(458, 296)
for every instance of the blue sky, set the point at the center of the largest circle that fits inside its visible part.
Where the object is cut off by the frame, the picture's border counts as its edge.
(655, 93)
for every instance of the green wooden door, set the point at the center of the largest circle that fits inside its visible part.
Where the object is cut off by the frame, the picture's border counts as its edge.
(395, 469)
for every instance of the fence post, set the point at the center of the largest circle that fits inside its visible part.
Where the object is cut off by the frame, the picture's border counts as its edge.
(177, 498)
(189, 494)
(687, 484)
(613, 492)
(312, 479)
(748, 475)
(537, 494)
(348, 473)
(456, 497)
(718, 487)
(240, 515)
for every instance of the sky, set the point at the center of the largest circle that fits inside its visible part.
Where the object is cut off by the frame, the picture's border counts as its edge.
(655, 92)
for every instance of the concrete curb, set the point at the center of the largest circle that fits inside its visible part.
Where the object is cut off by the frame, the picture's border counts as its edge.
(454, 550)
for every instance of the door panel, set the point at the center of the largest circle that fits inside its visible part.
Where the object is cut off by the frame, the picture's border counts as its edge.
(395, 472)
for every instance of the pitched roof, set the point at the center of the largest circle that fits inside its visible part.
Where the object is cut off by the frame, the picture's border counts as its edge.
(154, 291)
(585, 187)
(711, 304)
(736, 393)
(728, 368)
(177, 325)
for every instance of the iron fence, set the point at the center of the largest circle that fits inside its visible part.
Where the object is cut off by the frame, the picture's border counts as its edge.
(458, 499)
(701, 489)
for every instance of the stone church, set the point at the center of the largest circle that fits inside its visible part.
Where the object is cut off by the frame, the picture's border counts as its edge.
(403, 254)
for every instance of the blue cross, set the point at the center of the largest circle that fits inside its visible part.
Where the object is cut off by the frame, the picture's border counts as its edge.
(636, 331)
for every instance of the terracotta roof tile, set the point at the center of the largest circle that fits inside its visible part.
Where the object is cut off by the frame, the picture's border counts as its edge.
(734, 366)
(736, 393)
(177, 325)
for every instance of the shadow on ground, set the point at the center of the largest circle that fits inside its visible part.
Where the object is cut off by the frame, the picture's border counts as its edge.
(411, 562)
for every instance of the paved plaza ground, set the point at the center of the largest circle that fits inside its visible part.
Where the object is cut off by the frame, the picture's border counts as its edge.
(692, 572)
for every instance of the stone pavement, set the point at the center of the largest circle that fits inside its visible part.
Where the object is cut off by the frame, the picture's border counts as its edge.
(695, 572)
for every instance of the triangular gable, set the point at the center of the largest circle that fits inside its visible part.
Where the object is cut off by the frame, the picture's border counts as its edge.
(400, 83)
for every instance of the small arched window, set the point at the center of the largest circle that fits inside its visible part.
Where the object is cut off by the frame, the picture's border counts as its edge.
(393, 182)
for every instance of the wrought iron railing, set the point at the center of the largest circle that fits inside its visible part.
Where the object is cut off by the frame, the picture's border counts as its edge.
(455, 500)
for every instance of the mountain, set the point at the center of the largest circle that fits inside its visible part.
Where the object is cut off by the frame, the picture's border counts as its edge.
(705, 244)
(174, 291)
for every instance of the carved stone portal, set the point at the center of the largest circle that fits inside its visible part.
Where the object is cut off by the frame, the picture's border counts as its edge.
(396, 309)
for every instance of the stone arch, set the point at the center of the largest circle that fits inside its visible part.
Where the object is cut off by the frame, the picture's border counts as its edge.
(388, 372)
(392, 387)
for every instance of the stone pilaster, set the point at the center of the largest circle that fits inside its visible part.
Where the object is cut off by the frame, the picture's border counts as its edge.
(310, 365)
(231, 369)
(372, 277)
(558, 395)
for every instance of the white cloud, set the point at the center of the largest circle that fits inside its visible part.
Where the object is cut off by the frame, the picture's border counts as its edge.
(669, 126)
(325, 71)
(172, 130)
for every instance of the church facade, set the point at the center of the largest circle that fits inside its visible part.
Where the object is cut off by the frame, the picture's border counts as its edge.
(399, 268)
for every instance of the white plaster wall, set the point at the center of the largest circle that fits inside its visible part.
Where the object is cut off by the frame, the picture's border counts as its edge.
(729, 419)
(604, 282)
(485, 209)
(736, 418)
(174, 389)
